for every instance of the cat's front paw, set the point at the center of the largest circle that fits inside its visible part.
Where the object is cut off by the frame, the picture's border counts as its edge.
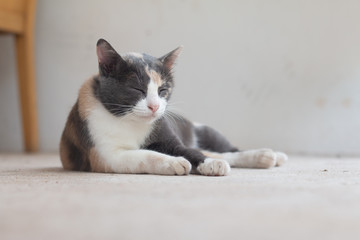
(281, 158)
(178, 166)
(214, 167)
(265, 158)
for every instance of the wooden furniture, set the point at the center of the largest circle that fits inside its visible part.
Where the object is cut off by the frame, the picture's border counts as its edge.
(17, 17)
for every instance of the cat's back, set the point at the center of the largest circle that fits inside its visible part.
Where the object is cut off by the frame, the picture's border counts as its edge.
(75, 143)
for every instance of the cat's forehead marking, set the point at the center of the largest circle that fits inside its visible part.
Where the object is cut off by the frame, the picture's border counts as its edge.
(154, 76)
(134, 58)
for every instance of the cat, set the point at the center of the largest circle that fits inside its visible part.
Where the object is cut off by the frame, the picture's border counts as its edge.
(120, 124)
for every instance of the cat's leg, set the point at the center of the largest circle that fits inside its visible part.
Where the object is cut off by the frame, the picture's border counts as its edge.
(259, 158)
(216, 146)
(140, 161)
(211, 140)
(200, 163)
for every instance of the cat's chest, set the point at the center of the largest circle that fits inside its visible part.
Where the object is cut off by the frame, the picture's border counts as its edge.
(110, 133)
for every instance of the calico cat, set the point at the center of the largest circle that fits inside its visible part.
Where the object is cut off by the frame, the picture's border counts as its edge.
(120, 124)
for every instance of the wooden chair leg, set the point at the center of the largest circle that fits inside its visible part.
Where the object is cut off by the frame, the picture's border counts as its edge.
(27, 91)
(26, 76)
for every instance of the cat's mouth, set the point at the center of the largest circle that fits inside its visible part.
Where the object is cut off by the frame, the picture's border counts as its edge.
(150, 117)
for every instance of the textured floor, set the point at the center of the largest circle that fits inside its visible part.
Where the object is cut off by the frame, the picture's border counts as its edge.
(308, 198)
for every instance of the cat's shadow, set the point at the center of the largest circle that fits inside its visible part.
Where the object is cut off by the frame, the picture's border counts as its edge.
(49, 169)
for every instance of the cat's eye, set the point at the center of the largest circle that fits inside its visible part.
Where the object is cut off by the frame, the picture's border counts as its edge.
(162, 92)
(140, 90)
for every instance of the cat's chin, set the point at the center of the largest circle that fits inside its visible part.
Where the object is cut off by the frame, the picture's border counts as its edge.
(147, 119)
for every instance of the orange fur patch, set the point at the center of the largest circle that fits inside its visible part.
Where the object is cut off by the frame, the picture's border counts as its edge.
(87, 100)
(64, 156)
(69, 134)
(96, 163)
(156, 77)
(212, 154)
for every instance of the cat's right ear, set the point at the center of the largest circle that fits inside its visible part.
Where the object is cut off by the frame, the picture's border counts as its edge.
(108, 58)
(169, 59)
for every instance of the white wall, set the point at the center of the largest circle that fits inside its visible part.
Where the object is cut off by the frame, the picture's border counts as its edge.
(270, 73)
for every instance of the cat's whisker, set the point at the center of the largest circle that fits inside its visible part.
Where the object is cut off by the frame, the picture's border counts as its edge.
(119, 105)
(171, 120)
(130, 114)
(174, 111)
(117, 111)
(175, 103)
(172, 105)
(174, 115)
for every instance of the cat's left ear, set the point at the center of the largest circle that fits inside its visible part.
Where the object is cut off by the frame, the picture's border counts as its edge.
(108, 58)
(169, 59)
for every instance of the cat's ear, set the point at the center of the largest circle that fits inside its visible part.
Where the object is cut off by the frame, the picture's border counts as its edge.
(169, 59)
(108, 58)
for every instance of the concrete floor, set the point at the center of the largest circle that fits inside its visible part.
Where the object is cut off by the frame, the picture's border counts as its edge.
(308, 198)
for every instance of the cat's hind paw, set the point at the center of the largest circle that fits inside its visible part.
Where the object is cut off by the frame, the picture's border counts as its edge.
(265, 158)
(281, 158)
(214, 167)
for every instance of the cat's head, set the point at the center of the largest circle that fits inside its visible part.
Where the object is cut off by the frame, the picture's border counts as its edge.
(134, 85)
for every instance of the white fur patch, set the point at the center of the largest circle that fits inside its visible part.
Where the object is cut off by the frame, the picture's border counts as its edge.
(113, 134)
(152, 97)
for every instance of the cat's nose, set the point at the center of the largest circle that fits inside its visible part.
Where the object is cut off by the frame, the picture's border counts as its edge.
(153, 107)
